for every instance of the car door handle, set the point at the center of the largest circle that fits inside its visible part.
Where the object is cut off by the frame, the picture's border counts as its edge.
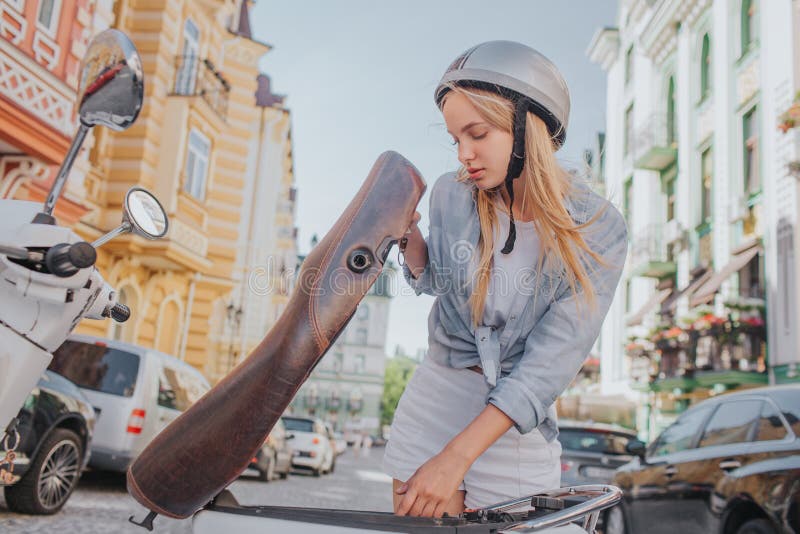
(727, 465)
(670, 471)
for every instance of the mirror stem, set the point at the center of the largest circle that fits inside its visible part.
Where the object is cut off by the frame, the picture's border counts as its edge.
(63, 172)
(121, 229)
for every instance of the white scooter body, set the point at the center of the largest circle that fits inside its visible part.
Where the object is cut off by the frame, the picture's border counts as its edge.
(38, 310)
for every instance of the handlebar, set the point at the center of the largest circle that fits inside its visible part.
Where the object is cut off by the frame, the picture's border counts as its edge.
(65, 259)
(600, 498)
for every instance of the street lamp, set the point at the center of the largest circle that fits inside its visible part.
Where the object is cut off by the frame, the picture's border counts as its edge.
(234, 315)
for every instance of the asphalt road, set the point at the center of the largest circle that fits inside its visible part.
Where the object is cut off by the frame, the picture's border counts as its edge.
(100, 504)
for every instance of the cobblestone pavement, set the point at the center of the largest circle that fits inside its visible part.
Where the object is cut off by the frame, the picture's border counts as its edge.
(100, 504)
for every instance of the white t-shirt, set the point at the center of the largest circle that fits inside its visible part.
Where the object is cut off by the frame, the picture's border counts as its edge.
(514, 274)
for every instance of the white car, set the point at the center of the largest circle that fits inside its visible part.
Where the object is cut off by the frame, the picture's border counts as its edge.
(311, 444)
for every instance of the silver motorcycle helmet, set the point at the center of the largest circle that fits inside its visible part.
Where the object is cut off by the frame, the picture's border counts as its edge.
(525, 77)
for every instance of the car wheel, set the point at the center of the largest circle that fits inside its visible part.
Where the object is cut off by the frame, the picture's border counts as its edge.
(284, 475)
(51, 477)
(317, 471)
(333, 465)
(756, 526)
(269, 472)
(615, 521)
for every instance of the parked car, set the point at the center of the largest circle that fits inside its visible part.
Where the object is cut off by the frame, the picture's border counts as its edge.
(592, 451)
(312, 445)
(55, 428)
(274, 458)
(730, 464)
(136, 392)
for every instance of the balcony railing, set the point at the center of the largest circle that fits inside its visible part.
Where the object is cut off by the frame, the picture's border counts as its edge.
(199, 77)
(649, 254)
(654, 147)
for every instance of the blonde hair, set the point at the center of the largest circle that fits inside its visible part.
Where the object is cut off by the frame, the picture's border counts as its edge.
(547, 186)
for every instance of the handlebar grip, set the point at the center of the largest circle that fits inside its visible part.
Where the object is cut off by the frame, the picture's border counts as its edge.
(120, 313)
(64, 260)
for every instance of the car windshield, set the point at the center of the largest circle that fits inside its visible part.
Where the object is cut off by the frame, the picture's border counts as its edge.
(587, 440)
(97, 367)
(298, 425)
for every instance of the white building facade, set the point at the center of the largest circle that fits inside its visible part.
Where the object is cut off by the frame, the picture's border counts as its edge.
(695, 161)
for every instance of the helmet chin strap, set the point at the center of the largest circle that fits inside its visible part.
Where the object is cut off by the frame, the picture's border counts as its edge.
(515, 165)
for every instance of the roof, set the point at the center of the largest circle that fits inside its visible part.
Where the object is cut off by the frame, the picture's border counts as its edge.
(564, 424)
(244, 21)
(265, 98)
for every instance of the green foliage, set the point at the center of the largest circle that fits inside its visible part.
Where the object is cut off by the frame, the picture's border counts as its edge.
(398, 372)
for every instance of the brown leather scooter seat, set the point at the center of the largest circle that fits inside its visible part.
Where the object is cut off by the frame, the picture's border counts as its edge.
(209, 445)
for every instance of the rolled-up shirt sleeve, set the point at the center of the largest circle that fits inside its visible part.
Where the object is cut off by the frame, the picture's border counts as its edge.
(560, 341)
(426, 282)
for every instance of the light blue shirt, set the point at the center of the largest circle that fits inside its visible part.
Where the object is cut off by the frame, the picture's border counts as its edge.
(533, 357)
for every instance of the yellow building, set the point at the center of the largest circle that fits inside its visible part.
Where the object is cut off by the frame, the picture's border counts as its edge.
(190, 146)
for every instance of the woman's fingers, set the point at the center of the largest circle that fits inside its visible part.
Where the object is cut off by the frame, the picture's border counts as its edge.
(428, 509)
(440, 509)
(419, 506)
(414, 220)
(407, 502)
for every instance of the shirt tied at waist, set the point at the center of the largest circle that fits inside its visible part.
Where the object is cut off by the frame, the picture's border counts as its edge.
(488, 344)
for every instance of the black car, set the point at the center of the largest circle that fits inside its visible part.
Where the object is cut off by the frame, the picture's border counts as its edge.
(274, 458)
(591, 452)
(55, 429)
(730, 464)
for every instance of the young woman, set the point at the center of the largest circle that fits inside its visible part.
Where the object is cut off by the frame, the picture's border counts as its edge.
(523, 261)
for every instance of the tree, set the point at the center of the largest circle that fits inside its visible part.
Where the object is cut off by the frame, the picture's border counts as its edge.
(398, 372)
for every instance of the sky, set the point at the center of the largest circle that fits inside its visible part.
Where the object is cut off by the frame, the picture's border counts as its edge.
(359, 77)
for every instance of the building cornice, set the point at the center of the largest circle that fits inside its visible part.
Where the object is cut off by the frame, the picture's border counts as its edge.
(660, 35)
(604, 47)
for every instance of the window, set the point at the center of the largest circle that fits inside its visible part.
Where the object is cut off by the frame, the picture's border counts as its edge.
(706, 184)
(705, 67)
(359, 364)
(189, 60)
(298, 425)
(97, 367)
(672, 127)
(629, 65)
(748, 26)
(680, 435)
(361, 336)
(363, 312)
(752, 181)
(627, 201)
(731, 423)
(178, 390)
(750, 279)
(47, 16)
(628, 133)
(770, 427)
(590, 440)
(197, 154)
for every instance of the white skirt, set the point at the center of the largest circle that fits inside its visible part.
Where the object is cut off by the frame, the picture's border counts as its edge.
(437, 404)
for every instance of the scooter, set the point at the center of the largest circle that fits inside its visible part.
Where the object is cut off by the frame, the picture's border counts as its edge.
(48, 281)
(49, 284)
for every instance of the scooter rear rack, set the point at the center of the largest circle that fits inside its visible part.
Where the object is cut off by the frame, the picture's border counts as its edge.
(565, 510)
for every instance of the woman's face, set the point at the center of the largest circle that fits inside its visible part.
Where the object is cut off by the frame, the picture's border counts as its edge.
(483, 149)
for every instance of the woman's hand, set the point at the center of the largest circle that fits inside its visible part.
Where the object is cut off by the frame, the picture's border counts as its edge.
(416, 250)
(429, 490)
(414, 221)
